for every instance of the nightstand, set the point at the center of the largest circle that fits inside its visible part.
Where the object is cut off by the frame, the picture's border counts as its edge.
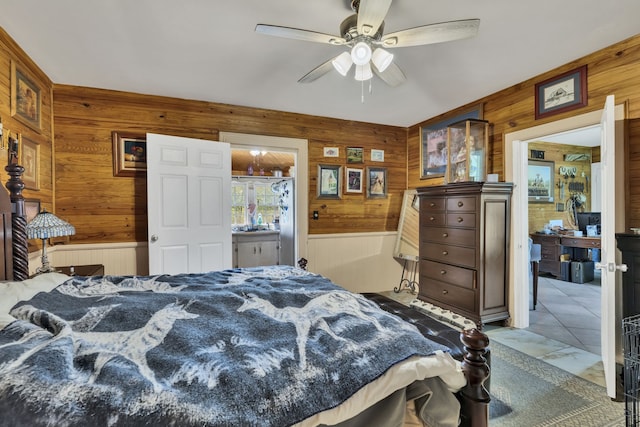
(82, 270)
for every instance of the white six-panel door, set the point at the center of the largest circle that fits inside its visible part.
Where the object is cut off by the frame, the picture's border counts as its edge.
(189, 205)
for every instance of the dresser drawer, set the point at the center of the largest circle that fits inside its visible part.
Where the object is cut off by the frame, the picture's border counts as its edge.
(447, 293)
(433, 219)
(461, 204)
(453, 236)
(433, 204)
(465, 257)
(462, 277)
(461, 219)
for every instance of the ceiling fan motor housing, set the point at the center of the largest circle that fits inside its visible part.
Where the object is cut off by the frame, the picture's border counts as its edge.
(349, 29)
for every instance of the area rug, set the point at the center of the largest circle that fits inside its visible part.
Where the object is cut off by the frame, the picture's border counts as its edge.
(529, 392)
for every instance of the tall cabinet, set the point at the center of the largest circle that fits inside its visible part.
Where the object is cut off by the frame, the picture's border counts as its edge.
(464, 248)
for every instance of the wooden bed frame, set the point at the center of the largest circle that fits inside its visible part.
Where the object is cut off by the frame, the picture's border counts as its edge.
(14, 265)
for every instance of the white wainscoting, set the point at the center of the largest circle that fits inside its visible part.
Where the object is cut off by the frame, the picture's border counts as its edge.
(359, 262)
(118, 258)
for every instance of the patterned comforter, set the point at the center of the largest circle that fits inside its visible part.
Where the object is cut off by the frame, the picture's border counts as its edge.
(246, 347)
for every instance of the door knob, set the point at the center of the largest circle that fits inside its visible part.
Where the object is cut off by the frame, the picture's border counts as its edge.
(154, 238)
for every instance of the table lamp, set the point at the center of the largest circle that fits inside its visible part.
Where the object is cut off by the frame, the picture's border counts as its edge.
(44, 226)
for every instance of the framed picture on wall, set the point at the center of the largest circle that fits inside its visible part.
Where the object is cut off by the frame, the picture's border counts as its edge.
(329, 181)
(353, 180)
(376, 182)
(30, 160)
(26, 99)
(562, 93)
(540, 181)
(129, 154)
(355, 155)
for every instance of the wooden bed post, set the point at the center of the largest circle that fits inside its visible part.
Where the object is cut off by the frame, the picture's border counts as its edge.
(18, 217)
(475, 410)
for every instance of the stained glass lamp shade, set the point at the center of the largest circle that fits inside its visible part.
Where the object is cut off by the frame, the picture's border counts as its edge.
(44, 226)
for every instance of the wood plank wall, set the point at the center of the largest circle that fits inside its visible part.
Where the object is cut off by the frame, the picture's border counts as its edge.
(10, 53)
(541, 213)
(613, 70)
(104, 208)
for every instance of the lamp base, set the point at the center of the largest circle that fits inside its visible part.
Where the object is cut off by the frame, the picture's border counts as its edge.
(46, 269)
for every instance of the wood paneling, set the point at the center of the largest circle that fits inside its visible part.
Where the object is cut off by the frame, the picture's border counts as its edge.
(10, 51)
(105, 208)
(542, 213)
(613, 70)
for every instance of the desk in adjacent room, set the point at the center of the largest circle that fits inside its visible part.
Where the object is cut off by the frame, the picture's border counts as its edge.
(554, 245)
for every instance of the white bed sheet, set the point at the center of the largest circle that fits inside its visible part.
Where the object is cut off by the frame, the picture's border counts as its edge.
(399, 376)
(13, 292)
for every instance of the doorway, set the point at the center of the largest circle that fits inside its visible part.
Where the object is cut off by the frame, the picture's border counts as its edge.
(516, 161)
(568, 306)
(299, 148)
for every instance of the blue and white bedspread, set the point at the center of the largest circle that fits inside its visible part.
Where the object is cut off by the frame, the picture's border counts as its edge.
(246, 347)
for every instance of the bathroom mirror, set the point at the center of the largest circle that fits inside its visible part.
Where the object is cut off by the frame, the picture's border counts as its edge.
(408, 240)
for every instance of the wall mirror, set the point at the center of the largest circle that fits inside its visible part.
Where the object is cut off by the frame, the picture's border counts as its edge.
(408, 240)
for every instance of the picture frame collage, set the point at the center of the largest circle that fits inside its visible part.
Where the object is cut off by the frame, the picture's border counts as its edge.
(336, 180)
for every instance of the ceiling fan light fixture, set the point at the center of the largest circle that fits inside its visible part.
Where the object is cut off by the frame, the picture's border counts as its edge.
(381, 59)
(342, 63)
(361, 53)
(363, 72)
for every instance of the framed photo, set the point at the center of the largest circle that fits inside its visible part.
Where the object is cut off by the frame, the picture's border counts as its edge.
(433, 143)
(377, 155)
(129, 154)
(353, 180)
(26, 99)
(540, 181)
(330, 151)
(355, 155)
(376, 182)
(29, 158)
(329, 181)
(31, 208)
(565, 92)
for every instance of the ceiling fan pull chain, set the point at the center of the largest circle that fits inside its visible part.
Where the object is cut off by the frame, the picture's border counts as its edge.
(362, 91)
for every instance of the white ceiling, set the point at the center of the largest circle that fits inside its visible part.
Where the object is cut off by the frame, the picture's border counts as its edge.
(208, 50)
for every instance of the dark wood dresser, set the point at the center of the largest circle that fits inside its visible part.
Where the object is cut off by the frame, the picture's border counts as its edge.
(629, 245)
(464, 248)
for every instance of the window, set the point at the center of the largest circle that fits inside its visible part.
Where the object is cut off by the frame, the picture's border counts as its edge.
(260, 193)
(238, 203)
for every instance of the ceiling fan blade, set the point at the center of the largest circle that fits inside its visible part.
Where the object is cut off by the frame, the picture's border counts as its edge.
(297, 34)
(371, 13)
(393, 75)
(317, 72)
(433, 33)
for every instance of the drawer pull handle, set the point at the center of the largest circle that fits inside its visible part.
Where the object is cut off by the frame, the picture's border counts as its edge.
(432, 204)
(445, 234)
(460, 219)
(460, 204)
(445, 253)
(443, 272)
(444, 292)
(431, 218)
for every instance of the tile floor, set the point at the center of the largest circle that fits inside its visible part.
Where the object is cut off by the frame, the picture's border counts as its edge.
(564, 328)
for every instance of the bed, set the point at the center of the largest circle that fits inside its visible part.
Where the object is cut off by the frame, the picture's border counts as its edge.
(267, 346)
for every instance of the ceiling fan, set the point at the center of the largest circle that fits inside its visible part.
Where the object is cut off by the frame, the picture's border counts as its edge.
(363, 34)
